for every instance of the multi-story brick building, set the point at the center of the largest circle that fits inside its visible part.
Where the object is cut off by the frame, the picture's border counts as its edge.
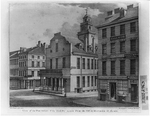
(71, 63)
(118, 55)
(16, 81)
(31, 60)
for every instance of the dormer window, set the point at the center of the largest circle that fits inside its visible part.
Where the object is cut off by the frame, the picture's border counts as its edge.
(80, 46)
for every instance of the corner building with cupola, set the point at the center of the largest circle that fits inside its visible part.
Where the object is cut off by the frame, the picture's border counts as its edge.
(118, 55)
(71, 63)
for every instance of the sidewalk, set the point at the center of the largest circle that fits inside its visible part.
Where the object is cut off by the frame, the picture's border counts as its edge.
(83, 95)
(71, 95)
(94, 102)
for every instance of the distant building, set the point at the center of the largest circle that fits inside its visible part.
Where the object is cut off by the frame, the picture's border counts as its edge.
(71, 63)
(31, 61)
(118, 73)
(25, 66)
(16, 81)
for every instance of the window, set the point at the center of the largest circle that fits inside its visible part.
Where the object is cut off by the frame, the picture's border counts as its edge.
(122, 46)
(32, 56)
(56, 63)
(78, 63)
(38, 64)
(43, 64)
(38, 73)
(104, 49)
(88, 63)
(113, 67)
(132, 66)
(92, 81)
(95, 80)
(95, 64)
(25, 73)
(64, 62)
(112, 47)
(122, 67)
(38, 57)
(112, 31)
(32, 63)
(50, 51)
(88, 83)
(91, 63)
(56, 47)
(133, 45)
(104, 33)
(83, 81)
(51, 64)
(104, 67)
(83, 63)
(32, 73)
(78, 81)
(25, 63)
(122, 29)
(132, 27)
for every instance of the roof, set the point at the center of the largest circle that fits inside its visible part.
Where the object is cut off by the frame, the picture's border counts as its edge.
(33, 50)
(14, 55)
(13, 52)
(74, 42)
(130, 13)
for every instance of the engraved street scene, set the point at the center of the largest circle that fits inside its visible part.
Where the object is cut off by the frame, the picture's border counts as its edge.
(74, 55)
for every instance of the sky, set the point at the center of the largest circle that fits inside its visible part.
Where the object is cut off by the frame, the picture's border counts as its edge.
(33, 22)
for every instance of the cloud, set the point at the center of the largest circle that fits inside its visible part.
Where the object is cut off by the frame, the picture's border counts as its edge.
(69, 30)
(30, 22)
(48, 33)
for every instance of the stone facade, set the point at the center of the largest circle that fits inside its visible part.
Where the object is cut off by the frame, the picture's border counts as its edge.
(66, 62)
(118, 73)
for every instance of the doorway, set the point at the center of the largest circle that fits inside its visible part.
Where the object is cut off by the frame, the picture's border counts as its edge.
(113, 91)
(134, 92)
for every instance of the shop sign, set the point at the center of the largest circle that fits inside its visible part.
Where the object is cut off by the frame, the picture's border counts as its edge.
(144, 92)
(118, 37)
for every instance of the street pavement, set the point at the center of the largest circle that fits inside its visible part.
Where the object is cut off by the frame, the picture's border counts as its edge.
(28, 98)
(94, 102)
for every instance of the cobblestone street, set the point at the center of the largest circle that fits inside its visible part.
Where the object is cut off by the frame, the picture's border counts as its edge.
(27, 98)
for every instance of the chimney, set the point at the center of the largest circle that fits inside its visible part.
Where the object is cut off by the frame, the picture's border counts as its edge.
(39, 43)
(22, 49)
(116, 10)
(130, 6)
(122, 12)
(43, 45)
(109, 13)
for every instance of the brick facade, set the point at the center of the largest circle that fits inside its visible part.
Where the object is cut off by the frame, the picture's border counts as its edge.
(116, 86)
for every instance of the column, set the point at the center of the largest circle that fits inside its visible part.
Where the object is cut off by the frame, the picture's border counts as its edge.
(51, 83)
(55, 83)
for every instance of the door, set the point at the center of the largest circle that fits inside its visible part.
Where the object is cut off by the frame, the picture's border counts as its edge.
(112, 91)
(134, 92)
